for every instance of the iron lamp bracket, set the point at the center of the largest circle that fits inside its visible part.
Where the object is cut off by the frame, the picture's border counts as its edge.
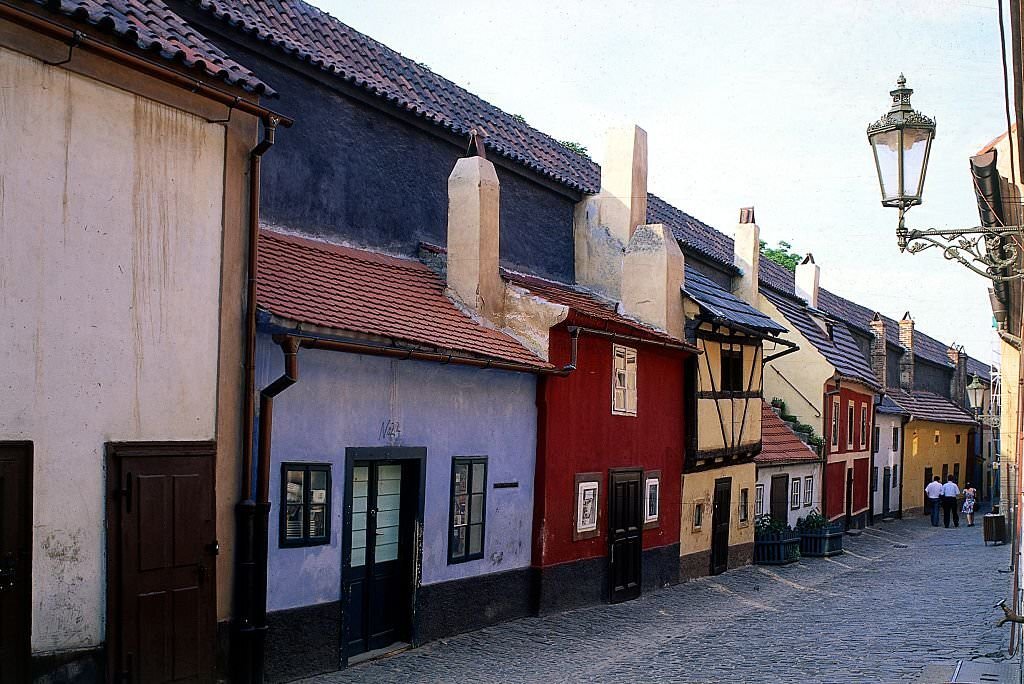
(989, 251)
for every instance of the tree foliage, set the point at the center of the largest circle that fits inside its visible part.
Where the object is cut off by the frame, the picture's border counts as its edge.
(783, 254)
(576, 147)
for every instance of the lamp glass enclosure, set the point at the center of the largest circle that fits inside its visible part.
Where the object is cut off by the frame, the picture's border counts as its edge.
(901, 141)
(976, 392)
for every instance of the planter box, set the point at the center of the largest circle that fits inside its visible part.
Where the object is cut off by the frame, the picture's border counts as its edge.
(826, 541)
(778, 548)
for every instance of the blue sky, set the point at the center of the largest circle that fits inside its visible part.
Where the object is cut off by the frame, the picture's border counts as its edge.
(750, 103)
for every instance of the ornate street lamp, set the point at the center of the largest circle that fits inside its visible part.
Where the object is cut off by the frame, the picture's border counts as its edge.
(976, 391)
(901, 141)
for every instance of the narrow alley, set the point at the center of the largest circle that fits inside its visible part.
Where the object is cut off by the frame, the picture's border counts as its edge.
(875, 613)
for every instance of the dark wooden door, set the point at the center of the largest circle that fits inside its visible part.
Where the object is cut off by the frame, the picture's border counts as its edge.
(780, 498)
(849, 497)
(15, 560)
(379, 554)
(720, 522)
(161, 545)
(625, 535)
(886, 486)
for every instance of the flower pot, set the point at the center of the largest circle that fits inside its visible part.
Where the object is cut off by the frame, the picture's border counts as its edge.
(823, 541)
(777, 548)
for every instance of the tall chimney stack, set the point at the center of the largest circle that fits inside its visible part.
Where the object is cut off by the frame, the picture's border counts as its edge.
(653, 271)
(879, 357)
(958, 383)
(473, 275)
(907, 360)
(808, 274)
(624, 182)
(747, 257)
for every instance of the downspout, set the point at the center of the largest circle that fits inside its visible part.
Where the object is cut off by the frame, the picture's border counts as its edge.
(248, 641)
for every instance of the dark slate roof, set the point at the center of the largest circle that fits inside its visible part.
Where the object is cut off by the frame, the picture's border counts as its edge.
(776, 276)
(311, 35)
(983, 370)
(841, 350)
(724, 305)
(151, 26)
(887, 405)
(692, 232)
(921, 405)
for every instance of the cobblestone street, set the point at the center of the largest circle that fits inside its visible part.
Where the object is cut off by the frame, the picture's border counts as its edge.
(872, 614)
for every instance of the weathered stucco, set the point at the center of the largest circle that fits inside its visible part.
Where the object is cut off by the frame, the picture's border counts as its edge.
(728, 422)
(110, 217)
(472, 266)
(652, 275)
(699, 488)
(792, 470)
(888, 455)
(921, 451)
(347, 400)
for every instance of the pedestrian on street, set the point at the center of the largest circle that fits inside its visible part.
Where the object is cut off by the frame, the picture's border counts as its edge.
(970, 495)
(933, 495)
(950, 493)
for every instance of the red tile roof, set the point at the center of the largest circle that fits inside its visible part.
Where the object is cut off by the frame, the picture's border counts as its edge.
(779, 444)
(151, 26)
(364, 292)
(586, 303)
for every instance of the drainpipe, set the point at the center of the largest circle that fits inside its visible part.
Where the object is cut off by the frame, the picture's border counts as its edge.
(248, 640)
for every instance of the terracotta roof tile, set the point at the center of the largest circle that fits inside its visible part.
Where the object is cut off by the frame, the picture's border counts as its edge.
(311, 35)
(365, 292)
(151, 26)
(779, 444)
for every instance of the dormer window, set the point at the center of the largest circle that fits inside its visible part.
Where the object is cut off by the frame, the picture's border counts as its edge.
(623, 381)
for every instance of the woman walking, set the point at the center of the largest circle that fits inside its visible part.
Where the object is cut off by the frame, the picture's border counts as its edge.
(970, 495)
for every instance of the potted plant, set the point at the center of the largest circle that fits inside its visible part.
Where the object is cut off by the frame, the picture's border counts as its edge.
(819, 537)
(775, 542)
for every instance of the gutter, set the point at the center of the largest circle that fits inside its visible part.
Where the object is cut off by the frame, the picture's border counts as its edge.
(1009, 339)
(575, 330)
(78, 39)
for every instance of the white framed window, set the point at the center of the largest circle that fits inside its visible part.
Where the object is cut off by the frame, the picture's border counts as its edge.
(849, 425)
(652, 499)
(759, 499)
(623, 380)
(744, 505)
(698, 516)
(863, 425)
(835, 424)
(794, 493)
(808, 490)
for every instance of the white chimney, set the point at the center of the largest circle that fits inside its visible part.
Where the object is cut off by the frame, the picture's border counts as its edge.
(807, 275)
(747, 257)
(473, 274)
(624, 182)
(653, 270)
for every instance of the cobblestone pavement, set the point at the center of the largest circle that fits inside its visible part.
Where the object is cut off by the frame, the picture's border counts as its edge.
(872, 614)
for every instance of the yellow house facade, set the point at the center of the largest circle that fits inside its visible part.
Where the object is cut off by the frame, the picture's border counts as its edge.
(932, 449)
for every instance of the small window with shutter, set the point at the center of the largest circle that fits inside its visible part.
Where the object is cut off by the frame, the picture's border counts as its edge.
(623, 381)
(305, 504)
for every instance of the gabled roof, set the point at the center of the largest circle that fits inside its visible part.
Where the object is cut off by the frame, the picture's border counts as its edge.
(311, 35)
(151, 26)
(779, 444)
(365, 292)
(840, 350)
(921, 405)
(719, 303)
(586, 303)
(887, 405)
(692, 232)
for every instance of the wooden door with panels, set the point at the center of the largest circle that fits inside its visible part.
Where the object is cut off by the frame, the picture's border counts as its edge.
(161, 588)
(721, 520)
(625, 534)
(15, 560)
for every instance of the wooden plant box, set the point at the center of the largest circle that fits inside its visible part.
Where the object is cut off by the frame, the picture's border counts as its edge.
(777, 548)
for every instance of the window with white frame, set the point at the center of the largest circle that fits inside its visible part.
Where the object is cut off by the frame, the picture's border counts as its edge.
(759, 500)
(849, 425)
(794, 493)
(652, 498)
(744, 504)
(623, 380)
(863, 425)
(808, 490)
(835, 424)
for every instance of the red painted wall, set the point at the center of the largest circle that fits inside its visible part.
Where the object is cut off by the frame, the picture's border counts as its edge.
(859, 400)
(861, 483)
(835, 490)
(577, 433)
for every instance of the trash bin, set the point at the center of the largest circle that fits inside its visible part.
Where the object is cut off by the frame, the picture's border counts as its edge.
(995, 528)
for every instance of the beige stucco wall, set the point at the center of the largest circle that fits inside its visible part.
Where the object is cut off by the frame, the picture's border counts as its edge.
(731, 416)
(699, 488)
(798, 378)
(1008, 396)
(792, 471)
(110, 215)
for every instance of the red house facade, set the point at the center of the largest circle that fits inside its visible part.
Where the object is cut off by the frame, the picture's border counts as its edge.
(850, 410)
(611, 439)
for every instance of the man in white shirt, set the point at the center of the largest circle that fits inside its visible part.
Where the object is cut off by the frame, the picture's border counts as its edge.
(949, 494)
(933, 494)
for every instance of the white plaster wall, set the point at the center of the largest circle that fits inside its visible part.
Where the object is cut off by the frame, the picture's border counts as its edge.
(110, 222)
(887, 456)
(794, 470)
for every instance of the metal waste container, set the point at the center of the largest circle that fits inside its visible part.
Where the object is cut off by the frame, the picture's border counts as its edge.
(995, 528)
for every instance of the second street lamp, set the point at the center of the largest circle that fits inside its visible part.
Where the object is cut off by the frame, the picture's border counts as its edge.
(901, 142)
